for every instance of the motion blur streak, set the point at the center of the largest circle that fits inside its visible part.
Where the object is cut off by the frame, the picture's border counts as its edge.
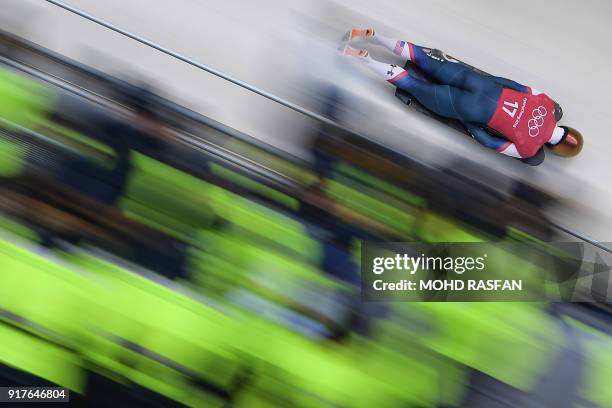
(151, 255)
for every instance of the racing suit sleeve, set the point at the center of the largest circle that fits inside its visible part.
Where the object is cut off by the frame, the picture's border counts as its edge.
(508, 83)
(486, 139)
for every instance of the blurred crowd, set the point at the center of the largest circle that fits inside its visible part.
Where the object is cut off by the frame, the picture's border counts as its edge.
(151, 256)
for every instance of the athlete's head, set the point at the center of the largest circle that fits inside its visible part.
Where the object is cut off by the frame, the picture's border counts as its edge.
(570, 144)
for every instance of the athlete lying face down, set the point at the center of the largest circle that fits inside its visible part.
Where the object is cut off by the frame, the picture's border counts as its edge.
(524, 116)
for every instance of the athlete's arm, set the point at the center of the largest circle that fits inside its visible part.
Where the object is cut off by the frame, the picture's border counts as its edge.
(508, 83)
(486, 139)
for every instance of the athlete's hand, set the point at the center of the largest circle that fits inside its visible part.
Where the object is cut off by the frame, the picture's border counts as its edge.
(536, 159)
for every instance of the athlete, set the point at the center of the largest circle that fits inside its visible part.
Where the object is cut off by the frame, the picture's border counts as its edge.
(522, 116)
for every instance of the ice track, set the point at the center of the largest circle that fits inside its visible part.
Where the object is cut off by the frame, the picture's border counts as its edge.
(286, 46)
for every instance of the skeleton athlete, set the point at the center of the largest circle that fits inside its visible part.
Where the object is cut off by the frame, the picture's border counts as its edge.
(522, 116)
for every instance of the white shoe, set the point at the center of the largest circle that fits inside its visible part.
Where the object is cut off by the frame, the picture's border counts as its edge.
(358, 34)
(354, 52)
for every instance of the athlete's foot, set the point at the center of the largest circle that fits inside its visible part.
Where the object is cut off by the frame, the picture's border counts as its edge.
(358, 34)
(355, 52)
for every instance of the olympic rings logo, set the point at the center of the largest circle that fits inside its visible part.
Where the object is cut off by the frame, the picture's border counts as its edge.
(537, 121)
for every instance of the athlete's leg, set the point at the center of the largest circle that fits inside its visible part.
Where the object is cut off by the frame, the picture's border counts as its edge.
(439, 67)
(445, 100)
(383, 69)
(398, 47)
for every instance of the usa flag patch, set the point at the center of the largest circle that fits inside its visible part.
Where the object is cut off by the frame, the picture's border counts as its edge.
(399, 46)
